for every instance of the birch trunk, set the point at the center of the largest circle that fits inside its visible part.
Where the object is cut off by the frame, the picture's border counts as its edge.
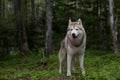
(113, 27)
(48, 27)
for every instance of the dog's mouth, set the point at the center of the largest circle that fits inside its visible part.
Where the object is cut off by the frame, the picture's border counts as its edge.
(74, 36)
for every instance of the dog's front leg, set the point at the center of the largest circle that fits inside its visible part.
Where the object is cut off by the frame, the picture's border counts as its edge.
(69, 58)
(81, 58)
(72, 63)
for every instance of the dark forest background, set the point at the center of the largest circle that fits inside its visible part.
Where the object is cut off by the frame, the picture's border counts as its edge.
(24, 24)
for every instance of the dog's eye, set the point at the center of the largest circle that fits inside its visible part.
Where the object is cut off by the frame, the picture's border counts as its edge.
(71, 29)
(76, 29)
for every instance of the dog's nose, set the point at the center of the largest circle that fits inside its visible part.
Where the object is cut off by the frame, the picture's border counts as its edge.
(73, 34)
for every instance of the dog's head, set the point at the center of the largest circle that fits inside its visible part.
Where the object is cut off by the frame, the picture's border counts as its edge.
(75, 29)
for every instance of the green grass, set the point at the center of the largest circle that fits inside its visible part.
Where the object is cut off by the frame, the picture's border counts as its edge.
(98, 65)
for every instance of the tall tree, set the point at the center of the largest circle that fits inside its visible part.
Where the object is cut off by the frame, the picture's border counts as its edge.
(33, 9)
(3, 8)
(0, 29)
(99, 15)
(0, 8)
(4, 48)
(77, 8)
(20, 26)
(49, 17)
(112, 26)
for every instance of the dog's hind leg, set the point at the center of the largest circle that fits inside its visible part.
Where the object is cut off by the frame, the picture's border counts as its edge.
(62, 55)
(81, 58)
(60, 67)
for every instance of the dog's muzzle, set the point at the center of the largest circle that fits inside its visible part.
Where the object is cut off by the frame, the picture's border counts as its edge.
(74, 36)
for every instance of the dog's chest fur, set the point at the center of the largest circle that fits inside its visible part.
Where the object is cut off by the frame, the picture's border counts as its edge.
(71, 49)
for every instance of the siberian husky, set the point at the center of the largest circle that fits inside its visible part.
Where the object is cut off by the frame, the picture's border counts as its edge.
(73, 44)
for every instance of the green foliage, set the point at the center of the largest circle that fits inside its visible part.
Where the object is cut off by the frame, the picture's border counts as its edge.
(102, 65)
(99, 65)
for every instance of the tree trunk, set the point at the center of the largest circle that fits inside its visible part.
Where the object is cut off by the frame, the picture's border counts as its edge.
(99, 15)
(0, 8)
(20, 26)
(33, 9)
(3, 8)
(14, 2)
(68, 10)
(113, 27)
(77, 8)
(0, 37)
(48, 27)
(4, 48)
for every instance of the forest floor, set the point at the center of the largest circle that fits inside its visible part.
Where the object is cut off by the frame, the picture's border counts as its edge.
(98, 65)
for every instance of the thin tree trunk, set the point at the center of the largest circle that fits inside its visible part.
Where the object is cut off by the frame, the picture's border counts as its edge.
(113, 27)
(48, 47)
(33, 9)
(77, 4)
(77, 8)
(14, 2)
(3, 8)
(4, 48)
(23, 47)
(68, 10)
(99, 15)
(0, 37)
(0, 8)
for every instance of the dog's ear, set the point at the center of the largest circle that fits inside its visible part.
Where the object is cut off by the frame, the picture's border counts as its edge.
(79, 21)
(70, 21)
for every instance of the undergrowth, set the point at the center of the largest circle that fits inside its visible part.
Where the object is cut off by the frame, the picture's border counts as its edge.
(98, 65)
